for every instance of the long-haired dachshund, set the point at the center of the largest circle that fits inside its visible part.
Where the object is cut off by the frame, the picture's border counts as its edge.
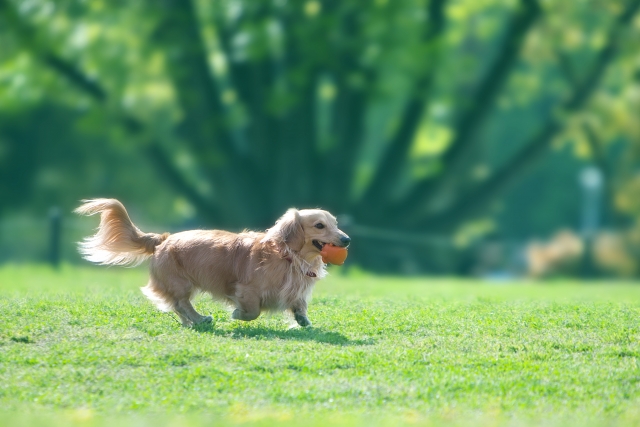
(254, 272)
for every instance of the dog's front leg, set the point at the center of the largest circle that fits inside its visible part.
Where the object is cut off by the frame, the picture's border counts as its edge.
(248, 306)
(299, 309)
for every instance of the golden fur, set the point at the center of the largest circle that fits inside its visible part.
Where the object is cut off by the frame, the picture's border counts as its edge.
(253, 271)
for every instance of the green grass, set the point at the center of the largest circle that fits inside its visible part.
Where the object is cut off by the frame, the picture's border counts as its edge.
(81, 346)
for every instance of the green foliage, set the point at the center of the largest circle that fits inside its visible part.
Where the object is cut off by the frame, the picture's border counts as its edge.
(84, 345)
(410, 115)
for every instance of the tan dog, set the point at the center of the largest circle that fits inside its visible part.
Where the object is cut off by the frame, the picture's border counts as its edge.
(252, 271)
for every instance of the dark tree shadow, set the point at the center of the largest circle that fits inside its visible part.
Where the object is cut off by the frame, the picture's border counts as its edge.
(298, 334)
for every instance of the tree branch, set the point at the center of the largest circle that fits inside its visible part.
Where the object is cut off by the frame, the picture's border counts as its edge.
(396, 153)
(91, 87)
(252, 78)
(485, 96)
(27, 36)
(198, 93)
(566, 67)
(348, 121)
(205, 125)
(75, 77)
(164, 164)
(475, 200)
(494, 80)
(347, 117)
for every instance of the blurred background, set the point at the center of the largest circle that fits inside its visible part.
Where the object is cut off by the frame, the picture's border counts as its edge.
(459, 137)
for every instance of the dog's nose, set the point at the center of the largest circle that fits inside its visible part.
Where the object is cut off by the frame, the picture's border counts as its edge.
(345, 240)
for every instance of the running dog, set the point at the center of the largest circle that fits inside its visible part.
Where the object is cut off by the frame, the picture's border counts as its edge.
(253, 271)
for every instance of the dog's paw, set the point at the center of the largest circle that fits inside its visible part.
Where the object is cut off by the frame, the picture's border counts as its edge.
(205, 320)
(302, 320)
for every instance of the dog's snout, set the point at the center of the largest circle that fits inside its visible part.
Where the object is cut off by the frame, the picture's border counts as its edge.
(345, 240)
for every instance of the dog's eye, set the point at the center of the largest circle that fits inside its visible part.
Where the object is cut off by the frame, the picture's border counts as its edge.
(319, 225)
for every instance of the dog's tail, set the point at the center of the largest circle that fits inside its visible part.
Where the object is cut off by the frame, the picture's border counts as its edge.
(117, 241)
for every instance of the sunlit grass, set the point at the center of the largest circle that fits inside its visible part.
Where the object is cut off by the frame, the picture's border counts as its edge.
(82, 346)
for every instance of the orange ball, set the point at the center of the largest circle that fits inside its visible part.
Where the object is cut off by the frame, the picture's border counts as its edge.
(333, 254)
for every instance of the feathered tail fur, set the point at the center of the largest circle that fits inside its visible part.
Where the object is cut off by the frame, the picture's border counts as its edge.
(118, 241)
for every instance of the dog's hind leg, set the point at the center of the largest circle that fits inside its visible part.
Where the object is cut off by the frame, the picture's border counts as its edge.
(185, 310)
(183, 319)
(174, 293)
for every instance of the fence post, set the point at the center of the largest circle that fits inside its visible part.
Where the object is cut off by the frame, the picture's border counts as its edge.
(55, 234)
(591, 179)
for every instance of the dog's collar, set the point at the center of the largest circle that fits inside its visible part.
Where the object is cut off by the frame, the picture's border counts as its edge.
(309, 273)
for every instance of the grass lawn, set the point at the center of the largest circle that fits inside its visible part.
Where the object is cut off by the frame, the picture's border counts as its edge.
(82, 346)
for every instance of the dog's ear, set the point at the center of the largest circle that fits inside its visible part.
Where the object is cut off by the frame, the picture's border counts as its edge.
(288, 230)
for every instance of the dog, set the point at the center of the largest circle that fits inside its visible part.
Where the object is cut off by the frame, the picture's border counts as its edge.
(252, 271)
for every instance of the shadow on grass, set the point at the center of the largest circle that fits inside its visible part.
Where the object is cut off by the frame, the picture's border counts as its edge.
(298, 334)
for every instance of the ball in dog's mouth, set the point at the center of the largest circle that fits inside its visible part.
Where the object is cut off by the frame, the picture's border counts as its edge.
(332, 254)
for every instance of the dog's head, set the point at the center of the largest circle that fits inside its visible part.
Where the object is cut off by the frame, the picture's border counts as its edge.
(306, 231)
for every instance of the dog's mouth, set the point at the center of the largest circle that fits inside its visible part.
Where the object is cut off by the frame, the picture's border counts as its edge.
(318, 244)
